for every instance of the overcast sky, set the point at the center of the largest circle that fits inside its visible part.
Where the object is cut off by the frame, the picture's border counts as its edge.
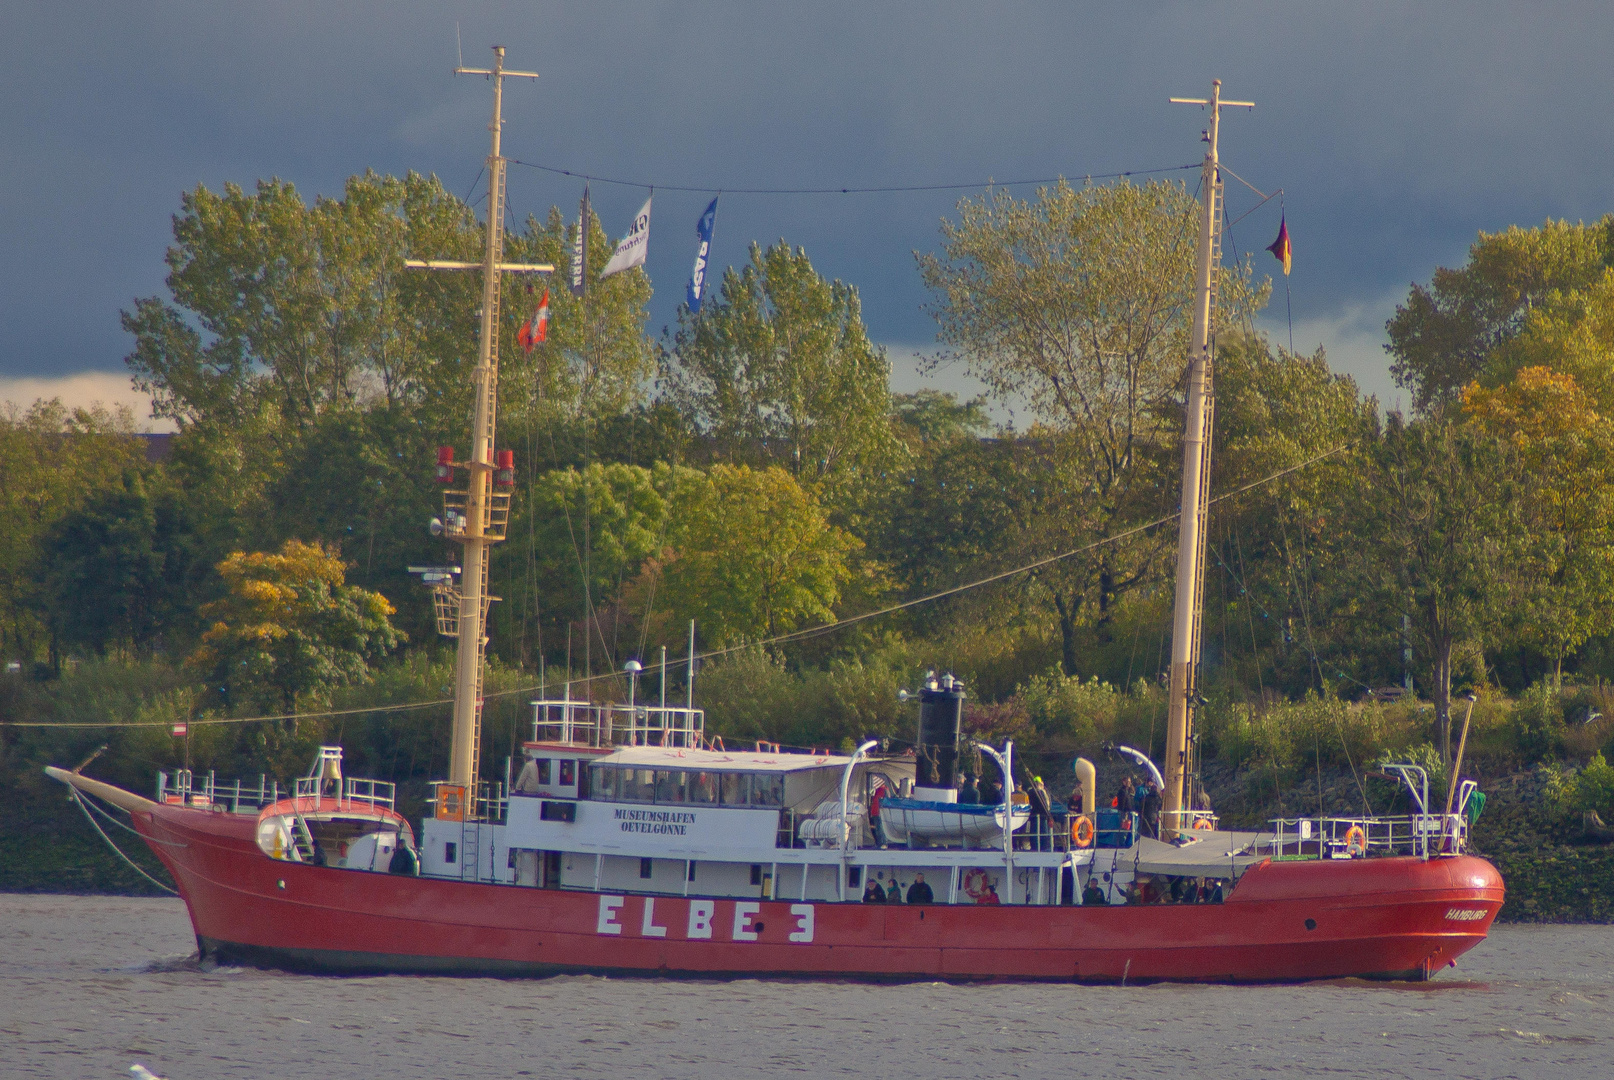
(1396, 131)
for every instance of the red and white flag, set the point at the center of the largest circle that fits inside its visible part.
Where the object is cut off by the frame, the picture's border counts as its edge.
(535, 329)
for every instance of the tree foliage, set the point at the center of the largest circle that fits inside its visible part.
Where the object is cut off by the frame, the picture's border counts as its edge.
(290, 627)
(1449, 330)
(778, 369)
(1078, 305)
(756, 555)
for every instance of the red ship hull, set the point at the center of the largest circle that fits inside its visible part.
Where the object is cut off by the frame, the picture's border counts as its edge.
(1286, 921)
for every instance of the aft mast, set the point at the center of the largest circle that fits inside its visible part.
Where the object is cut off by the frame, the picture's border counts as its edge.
(1196, 455)
(476, 516)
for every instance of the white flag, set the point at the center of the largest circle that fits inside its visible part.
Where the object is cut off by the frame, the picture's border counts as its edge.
(634, 246)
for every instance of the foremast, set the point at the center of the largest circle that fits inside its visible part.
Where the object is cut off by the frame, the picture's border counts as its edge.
(1196, 463)
(476, 516)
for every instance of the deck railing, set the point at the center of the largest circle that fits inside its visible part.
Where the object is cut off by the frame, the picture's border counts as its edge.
(1423, 835)
(607, 725)
(181, 789)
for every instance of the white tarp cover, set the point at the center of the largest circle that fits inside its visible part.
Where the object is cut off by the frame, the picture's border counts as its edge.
(1210, 854)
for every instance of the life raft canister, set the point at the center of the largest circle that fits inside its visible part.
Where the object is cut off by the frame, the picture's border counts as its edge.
(1355, 841)
(1081, 832)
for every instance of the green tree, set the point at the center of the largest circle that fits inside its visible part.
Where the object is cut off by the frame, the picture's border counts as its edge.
(755, 555)
(581, 541)
(778, 368)
(1271, 567)
(54, 459)
(1077, 306)
(290, 627)
(1433, 530)
(1566, 449)
(1447, 332)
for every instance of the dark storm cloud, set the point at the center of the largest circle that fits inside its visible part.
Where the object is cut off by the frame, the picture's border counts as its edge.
(1397, 131)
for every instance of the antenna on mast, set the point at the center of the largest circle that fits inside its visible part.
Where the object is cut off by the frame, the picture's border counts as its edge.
(1196, 463)
(459, 48)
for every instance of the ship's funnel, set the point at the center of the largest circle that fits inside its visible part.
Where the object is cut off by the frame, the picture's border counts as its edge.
(941, 715)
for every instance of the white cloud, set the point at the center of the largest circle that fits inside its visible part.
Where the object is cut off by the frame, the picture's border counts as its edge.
(82, 390)
(909, 373)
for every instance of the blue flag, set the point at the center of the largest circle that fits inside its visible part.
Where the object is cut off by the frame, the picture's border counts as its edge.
(697, 278)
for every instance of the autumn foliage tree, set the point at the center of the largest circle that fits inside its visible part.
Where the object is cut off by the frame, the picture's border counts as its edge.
(289, 627)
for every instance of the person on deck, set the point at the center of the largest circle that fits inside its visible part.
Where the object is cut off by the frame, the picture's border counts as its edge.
(893, 895)
(872, 893)
(1125, 799)
(527, 782)
(969, 792)
(874, 814)
(991, 792)
(404, 860)
(1042, 815)
(990, 896)
(919, 892)
(1149, 811)
(1093, 894)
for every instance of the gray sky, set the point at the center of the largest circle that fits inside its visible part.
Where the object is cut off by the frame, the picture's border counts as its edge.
(1397, 132)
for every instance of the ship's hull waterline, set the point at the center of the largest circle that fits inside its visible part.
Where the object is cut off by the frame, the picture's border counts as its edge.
(1286, 921)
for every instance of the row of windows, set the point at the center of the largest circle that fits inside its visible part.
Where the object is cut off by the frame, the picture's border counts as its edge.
(675, 786)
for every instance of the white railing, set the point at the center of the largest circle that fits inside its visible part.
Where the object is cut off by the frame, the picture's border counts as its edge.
(348, 790)
(181, 789)
(1423, 835)
(606, 725)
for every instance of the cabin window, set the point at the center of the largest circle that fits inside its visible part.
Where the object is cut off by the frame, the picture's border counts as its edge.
(451, 852)
(544, 772)
(703, 787)
(736, 789)
(637, 785)
(692, 870)
(647, 867)
(568, 772)
(854, 877)
(756, 873)
(606, 783)
(767, 789)
(669, 786)
(582, 779)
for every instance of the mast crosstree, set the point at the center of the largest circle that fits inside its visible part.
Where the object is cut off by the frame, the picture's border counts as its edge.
(476, 517)
(1196, 461)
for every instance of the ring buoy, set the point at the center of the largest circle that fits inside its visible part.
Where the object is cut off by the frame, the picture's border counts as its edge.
(1355, 841)
(1203, 823)
(975, 883)
(1081, 832)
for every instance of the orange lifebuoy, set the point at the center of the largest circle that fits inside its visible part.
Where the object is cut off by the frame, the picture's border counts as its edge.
(1355, 841)
(1203, 823)
(1081, 832)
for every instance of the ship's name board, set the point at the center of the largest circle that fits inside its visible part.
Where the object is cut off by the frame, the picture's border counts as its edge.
(704, 920)
(655, 822)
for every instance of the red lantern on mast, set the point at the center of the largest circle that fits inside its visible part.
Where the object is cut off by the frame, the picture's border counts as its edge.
(506, 474)
(445, 464)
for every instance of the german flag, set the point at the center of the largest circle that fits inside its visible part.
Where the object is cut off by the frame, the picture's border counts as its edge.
(1280, 246)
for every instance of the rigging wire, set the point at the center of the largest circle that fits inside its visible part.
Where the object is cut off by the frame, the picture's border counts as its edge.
(116, 850)
(838, 190)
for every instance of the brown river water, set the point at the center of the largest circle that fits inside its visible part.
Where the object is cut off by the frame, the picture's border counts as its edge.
(91, 985)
